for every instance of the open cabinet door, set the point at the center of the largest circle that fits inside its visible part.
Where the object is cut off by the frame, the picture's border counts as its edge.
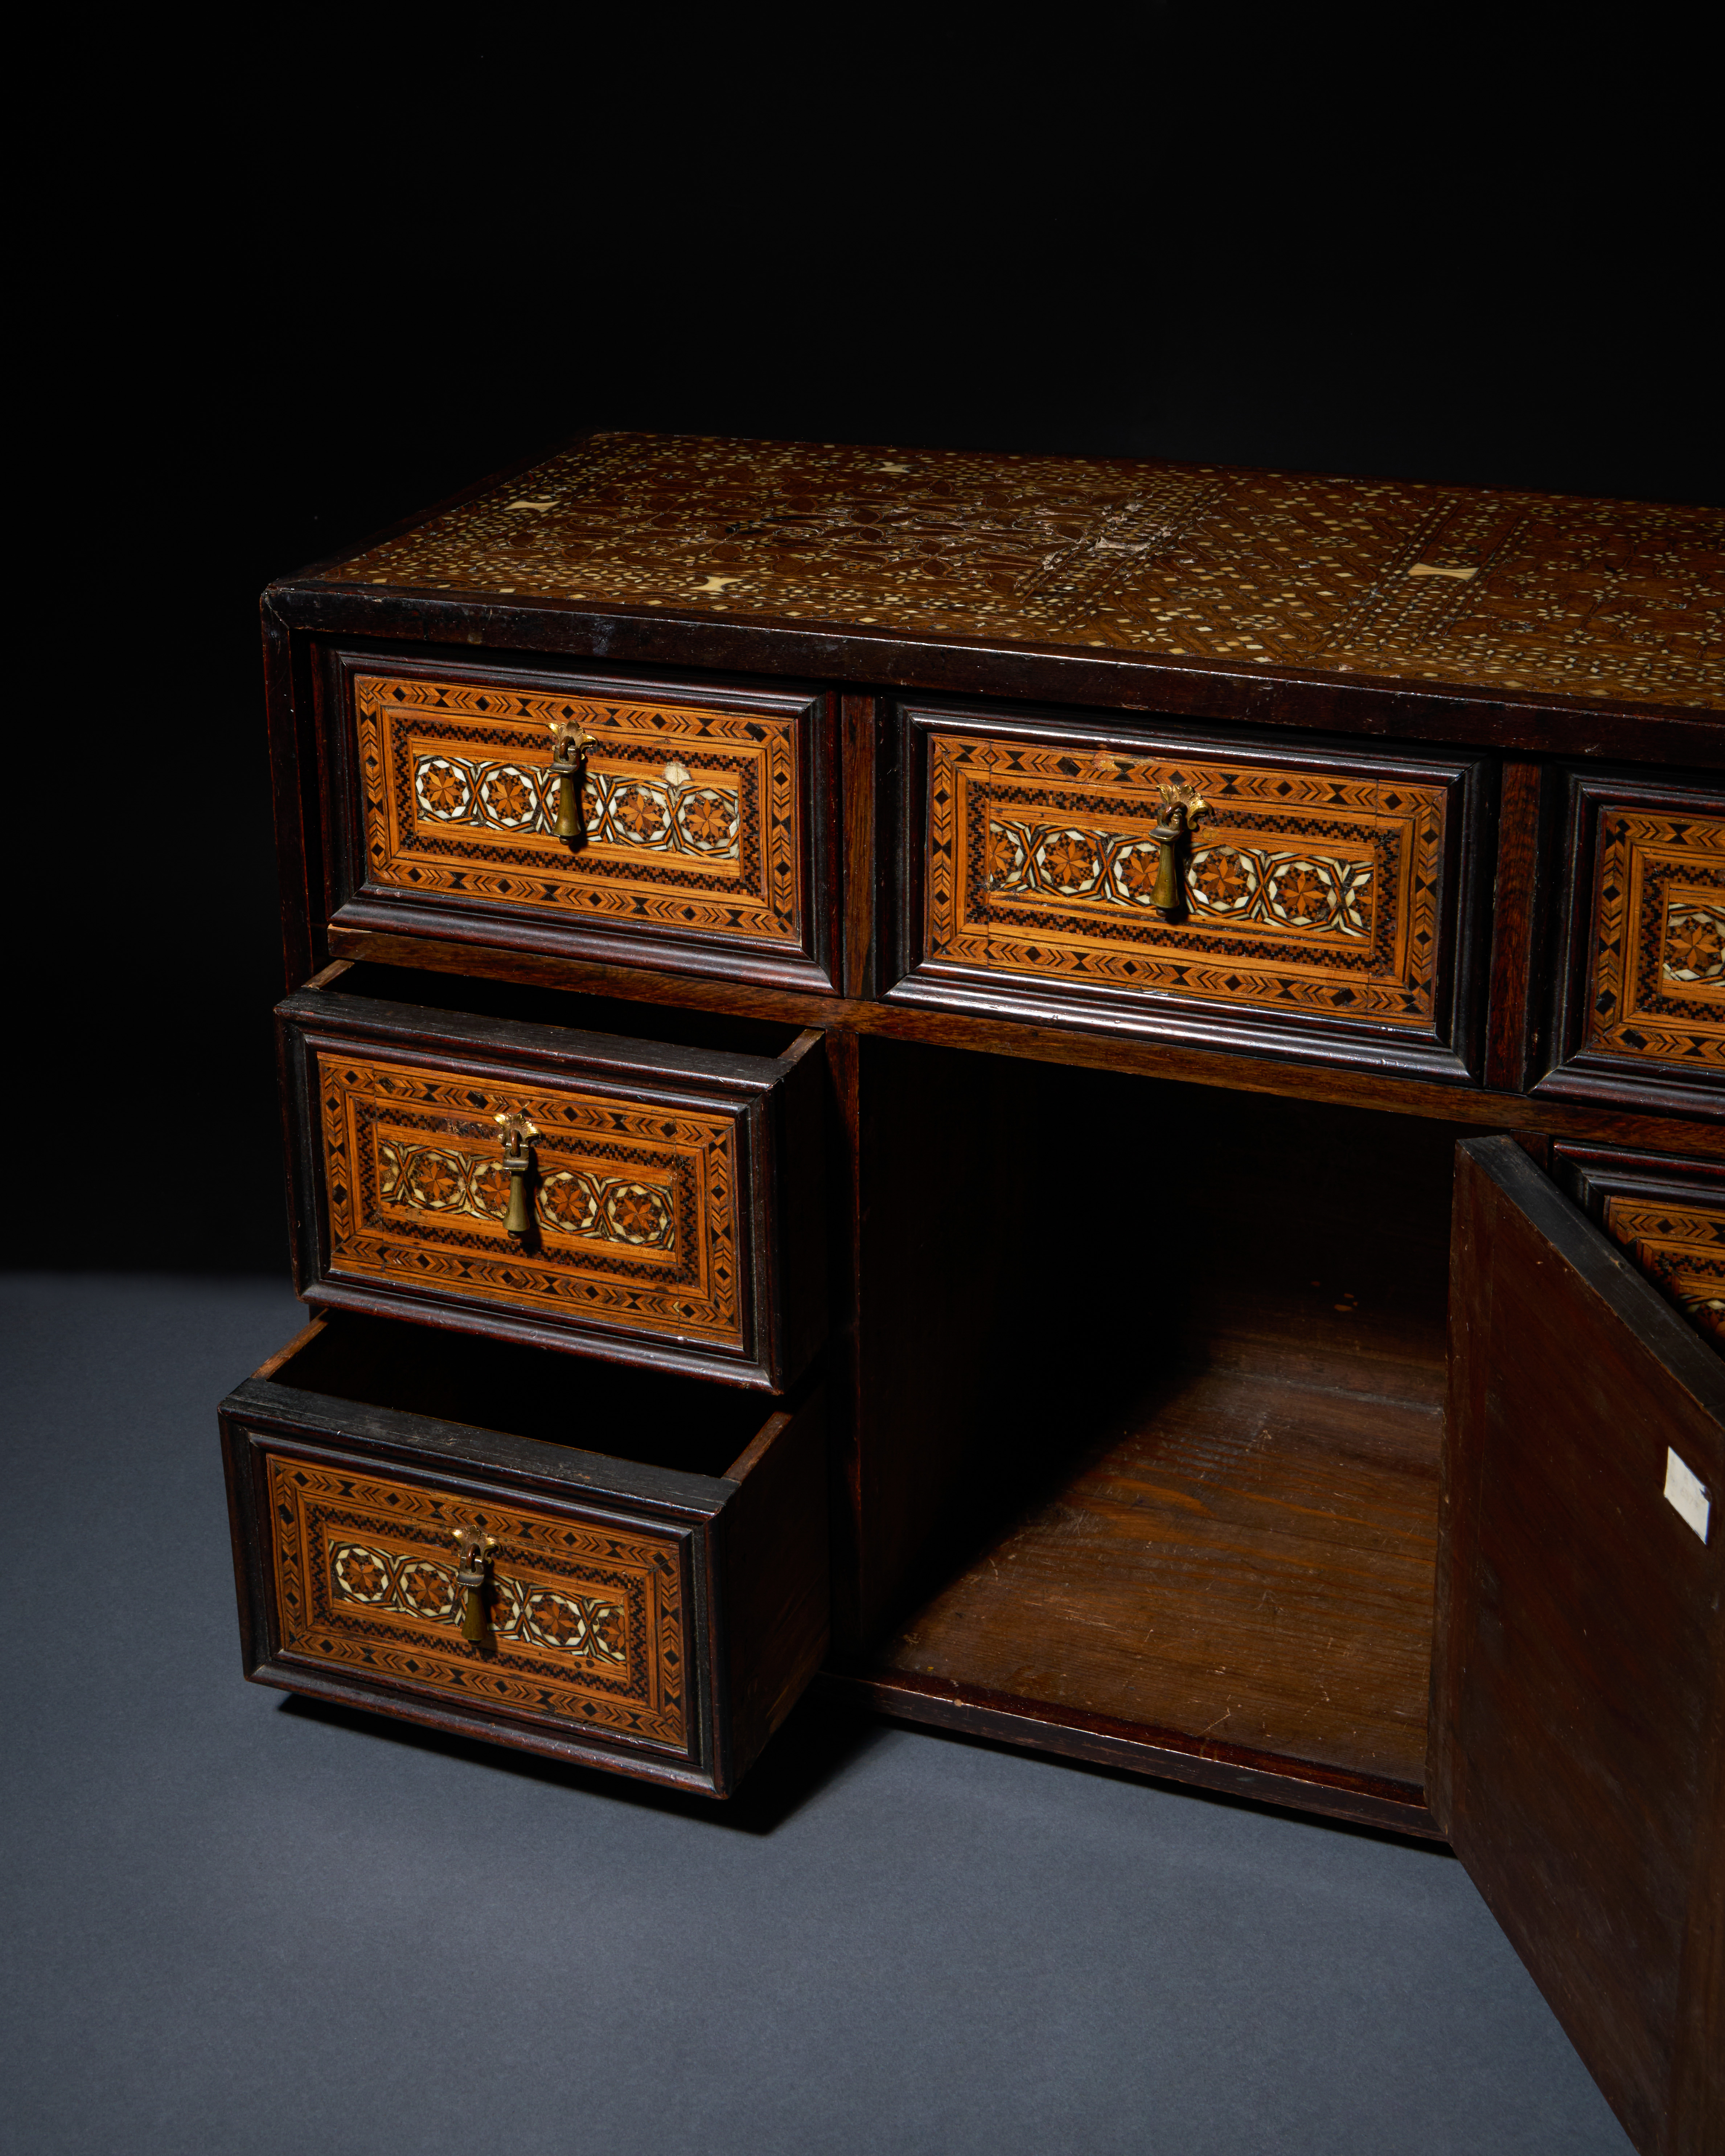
(1577, 1726)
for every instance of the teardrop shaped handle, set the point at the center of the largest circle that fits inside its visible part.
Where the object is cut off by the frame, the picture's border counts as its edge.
(518, 1135)
(570, 741)
(473, 1552)
(1181, 805)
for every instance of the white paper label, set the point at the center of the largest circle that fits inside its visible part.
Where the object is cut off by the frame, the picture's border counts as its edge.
(1687, 1492)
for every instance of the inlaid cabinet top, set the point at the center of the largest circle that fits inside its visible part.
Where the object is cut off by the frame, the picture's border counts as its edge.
(1464, 587)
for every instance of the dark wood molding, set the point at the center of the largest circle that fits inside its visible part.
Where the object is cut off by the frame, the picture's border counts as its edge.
(971, 1711)
(999, 1036)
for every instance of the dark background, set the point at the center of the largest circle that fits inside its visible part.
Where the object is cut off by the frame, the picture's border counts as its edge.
(286, 288)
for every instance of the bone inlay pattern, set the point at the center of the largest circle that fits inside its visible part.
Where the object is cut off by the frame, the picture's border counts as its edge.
(660, 817)
(586, 1616)
(1681, 1250)
(636, 1205)
(691, 815)
(1307, 890)
(1658, 987)
(419, 1586)
(1509, 590)
(604, 1209)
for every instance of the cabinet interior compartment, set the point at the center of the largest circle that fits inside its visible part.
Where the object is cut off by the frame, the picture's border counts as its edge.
(712, 1032)
(1196, 1506)
(686, 1424)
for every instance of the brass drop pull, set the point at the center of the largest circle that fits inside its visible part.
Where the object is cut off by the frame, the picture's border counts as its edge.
(1180, 807)
(568, 760)
(518, 1136)
(473, 1576)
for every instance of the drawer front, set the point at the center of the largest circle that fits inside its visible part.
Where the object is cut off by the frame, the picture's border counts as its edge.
(635, 1206)
(585, 1627)
(1645, 945)
(1313, 896)
(1667, 1214)
(700, 846)
(656, 1610)
(666, 1208)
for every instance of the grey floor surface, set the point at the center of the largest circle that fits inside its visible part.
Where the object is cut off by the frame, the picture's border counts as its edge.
(236, 1923)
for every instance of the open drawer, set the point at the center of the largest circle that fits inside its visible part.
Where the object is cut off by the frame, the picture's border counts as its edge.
(639, 1185)
(419, 1528)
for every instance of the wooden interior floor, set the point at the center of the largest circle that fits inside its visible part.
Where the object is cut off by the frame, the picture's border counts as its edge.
(1243, 1558)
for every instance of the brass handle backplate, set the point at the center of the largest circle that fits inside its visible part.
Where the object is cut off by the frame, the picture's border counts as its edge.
(570, 741)
(473, 1554)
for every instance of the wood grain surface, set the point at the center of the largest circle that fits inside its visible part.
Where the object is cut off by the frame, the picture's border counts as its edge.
(1578, 1685)
(1242, 1558)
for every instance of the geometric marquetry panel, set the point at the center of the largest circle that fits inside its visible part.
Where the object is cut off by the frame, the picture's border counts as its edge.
(585, 1619)
(1657, 977)
(1610, 601)
(690, 814)
(634, 1205)
(1680, 1247)
(1313, 891)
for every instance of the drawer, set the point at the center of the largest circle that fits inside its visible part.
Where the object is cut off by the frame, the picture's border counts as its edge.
(701, 845)
(645, 1557)
(1640, 1005)
(1318, 902)
(1667, 1213)
(519, 1166)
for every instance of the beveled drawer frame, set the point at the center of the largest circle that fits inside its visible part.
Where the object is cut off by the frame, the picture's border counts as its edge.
(350, 901)
(1594, 1176)
(775, 1106)
(743, 1671)
(1574, 1071)
(1451, 1051)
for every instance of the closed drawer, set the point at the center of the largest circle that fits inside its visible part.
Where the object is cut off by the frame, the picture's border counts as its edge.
(416, 1530)
(700, 845)
(1640, 1016)
(1665, 1212)
(654, 1200)
(1316, 902)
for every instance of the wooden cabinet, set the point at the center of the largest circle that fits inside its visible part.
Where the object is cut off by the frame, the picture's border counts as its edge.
(1118, 1120)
